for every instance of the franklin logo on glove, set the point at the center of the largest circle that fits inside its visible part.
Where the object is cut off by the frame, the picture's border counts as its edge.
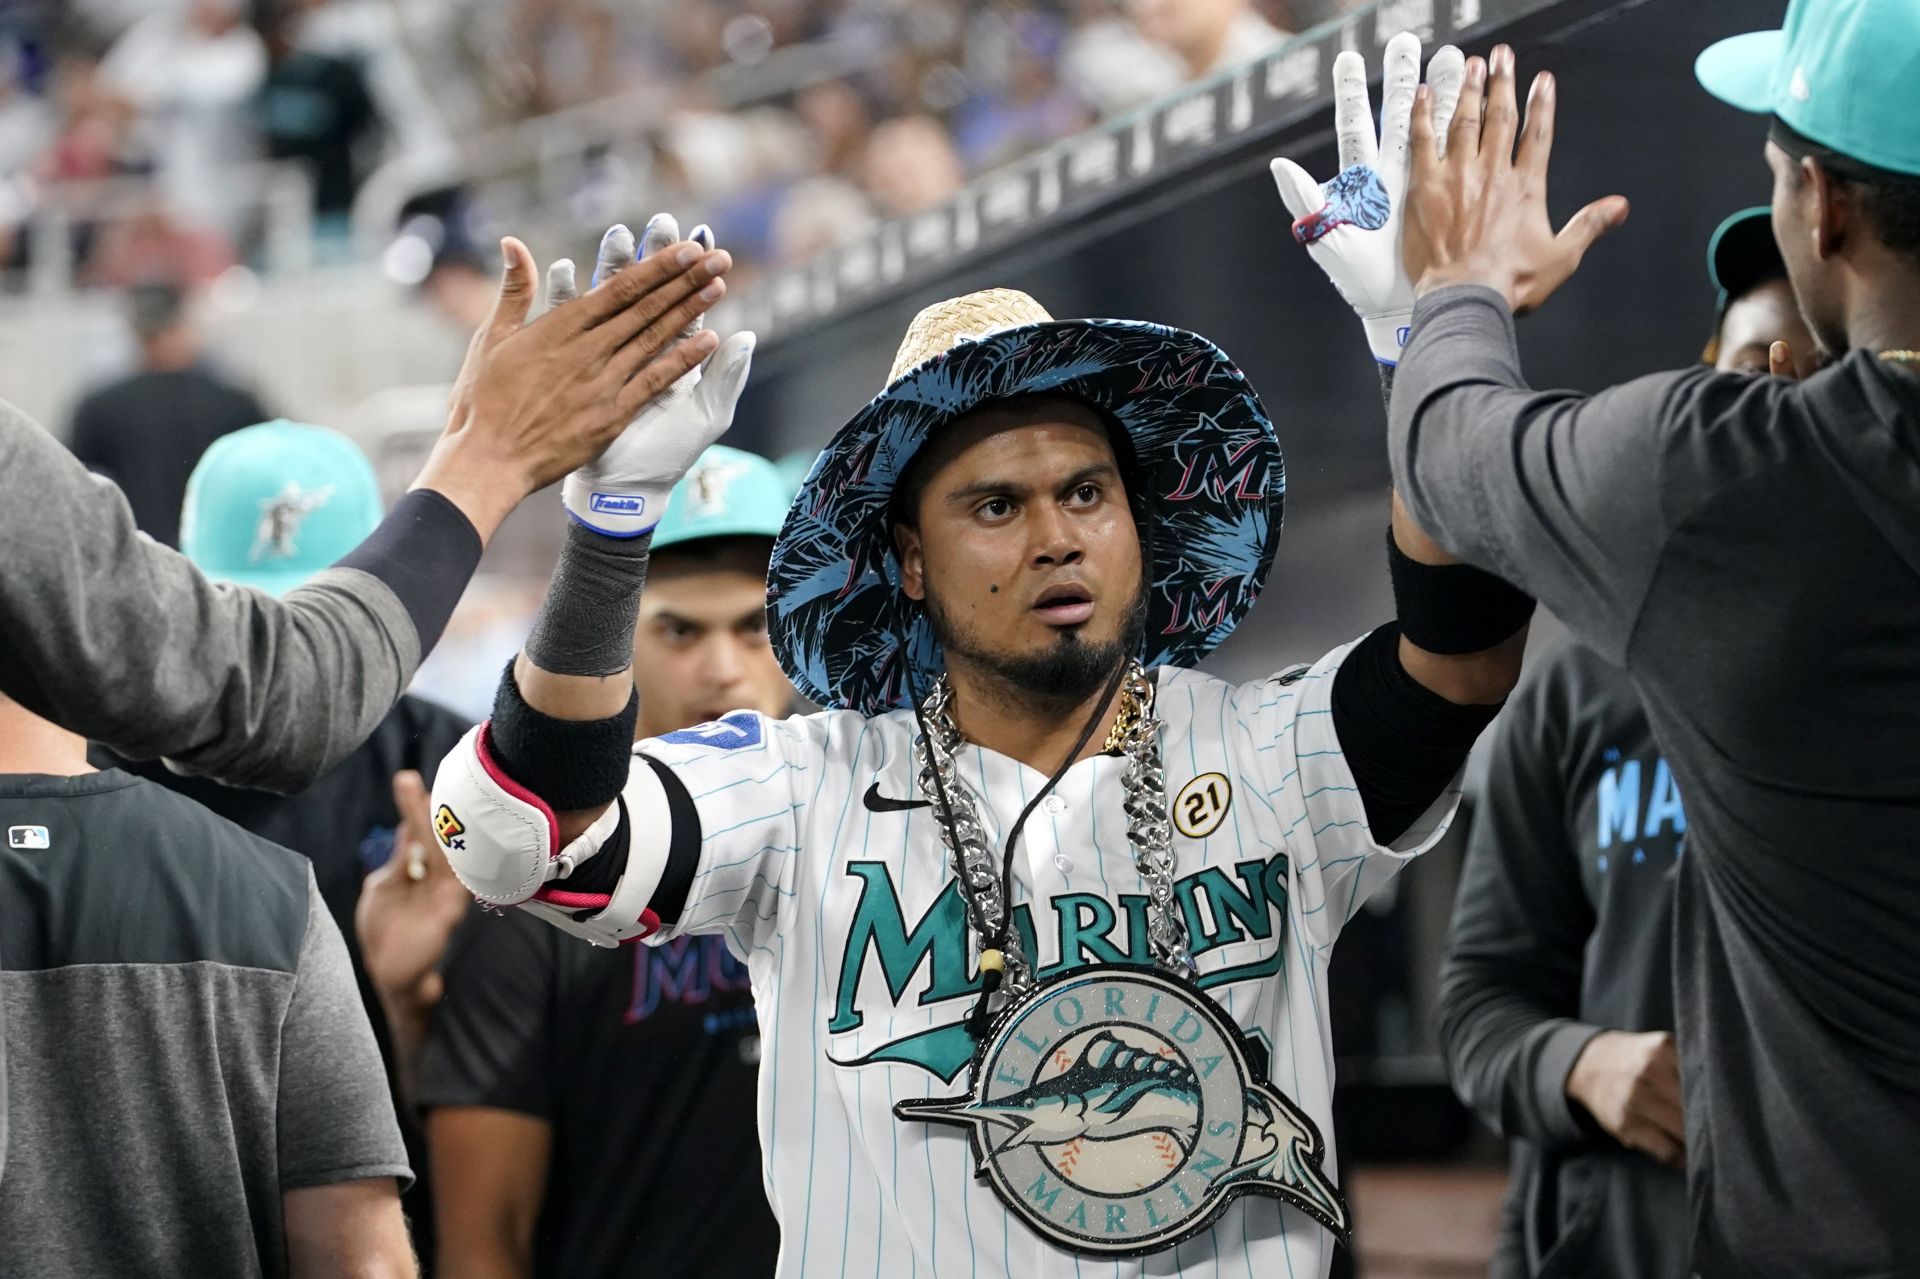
(616, 504)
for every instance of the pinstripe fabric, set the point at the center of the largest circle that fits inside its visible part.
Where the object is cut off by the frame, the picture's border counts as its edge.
(849, 922)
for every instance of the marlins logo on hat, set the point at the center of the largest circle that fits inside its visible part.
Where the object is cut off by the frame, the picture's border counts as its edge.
(728, 493)
(1207, 475)
(271, 505)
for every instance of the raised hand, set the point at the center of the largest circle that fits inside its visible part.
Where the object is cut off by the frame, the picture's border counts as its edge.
(1351, 223)
(1477, 208)
(623, 492)
(536, 400)
(409, 907)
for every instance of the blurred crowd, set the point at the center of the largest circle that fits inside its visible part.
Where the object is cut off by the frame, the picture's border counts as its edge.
(152, 127)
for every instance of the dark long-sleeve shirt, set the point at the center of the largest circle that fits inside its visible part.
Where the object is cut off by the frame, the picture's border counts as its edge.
(1749, 550)
(1563, 928)
(113, 636)
(146, 433)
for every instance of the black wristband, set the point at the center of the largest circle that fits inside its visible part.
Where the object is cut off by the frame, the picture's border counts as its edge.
(570, 763)
(1453, 608)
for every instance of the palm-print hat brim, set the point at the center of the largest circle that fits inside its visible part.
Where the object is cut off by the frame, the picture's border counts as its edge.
(1208, 474)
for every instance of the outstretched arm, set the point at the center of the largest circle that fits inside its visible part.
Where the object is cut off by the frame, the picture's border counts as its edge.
(1410, 699)
(576, 667)
(538, 782)
(109, 634)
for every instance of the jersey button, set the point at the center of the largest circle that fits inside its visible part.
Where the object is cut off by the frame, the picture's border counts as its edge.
(1063, 863)
(1054, 804)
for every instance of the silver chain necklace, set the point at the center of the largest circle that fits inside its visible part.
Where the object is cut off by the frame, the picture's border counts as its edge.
(975, 865)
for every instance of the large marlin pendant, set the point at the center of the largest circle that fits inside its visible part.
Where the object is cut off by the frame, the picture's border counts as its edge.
(1118, 1110)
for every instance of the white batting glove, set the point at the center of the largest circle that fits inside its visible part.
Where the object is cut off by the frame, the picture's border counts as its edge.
(1351, 223)
(623, 492)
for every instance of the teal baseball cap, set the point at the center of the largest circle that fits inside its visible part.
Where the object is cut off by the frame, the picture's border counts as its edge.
(728, 493)
(1842, 73)
(271, 505)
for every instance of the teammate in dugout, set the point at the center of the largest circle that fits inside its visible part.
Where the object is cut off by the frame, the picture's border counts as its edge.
(1748, 550)
(1556, 1008)
(563, 1084)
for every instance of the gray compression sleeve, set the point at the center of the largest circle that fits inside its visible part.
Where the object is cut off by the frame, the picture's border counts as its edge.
(586, 622)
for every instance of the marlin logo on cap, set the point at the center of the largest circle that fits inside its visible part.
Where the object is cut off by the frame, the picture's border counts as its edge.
(709, 484)
(280, 519)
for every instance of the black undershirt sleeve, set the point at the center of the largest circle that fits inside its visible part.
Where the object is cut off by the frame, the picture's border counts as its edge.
(1403, 741)
(425, 550)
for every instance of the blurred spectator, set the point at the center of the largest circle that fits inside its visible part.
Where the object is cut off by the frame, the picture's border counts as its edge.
(818, 214)
(1208, 36)
(150, 242)
(26, 121)
(147, 430)
(571, 46)
(190, 73)
(90, 133)
(900, 102)
(313, 107)
(1110, 64)
(841, 122)
(1021, 102)
(370, 34)
(461, 288)
(911, 166)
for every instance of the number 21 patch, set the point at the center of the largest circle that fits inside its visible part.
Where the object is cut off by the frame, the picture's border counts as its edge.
(1202, 805)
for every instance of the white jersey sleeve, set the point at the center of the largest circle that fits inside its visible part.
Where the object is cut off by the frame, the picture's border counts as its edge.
(1337, 864)
(728, 836)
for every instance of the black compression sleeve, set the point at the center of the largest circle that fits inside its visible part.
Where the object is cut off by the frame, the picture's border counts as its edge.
(1403, 741)
(425, 551)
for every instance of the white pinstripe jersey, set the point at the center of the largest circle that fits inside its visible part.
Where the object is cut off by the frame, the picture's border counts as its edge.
(840, 900)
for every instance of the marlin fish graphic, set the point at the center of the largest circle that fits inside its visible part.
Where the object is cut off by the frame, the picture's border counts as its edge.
(1111, 1090)
(1204, 1092)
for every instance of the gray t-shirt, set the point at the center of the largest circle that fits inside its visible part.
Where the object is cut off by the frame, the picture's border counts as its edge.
(1748, 549)
(184, 1038)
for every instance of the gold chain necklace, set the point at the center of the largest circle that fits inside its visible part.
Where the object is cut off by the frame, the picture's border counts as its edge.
(1123, 720)
(1901, 357)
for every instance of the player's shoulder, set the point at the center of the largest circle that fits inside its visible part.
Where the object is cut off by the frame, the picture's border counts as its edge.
(743, 735)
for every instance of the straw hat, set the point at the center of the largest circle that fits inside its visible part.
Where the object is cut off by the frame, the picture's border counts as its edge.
(1207, 473)
(967, 318)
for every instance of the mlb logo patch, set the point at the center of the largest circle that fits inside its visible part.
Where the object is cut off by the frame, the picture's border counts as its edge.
(728, 733)
(28, 837)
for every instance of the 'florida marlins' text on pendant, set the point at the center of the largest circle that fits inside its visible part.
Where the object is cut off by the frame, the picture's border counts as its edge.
(1117, 1111)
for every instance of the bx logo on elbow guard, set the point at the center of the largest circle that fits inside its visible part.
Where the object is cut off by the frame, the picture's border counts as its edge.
(616, 504)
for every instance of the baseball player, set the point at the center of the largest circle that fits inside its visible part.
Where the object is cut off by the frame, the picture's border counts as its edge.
(1037, 917)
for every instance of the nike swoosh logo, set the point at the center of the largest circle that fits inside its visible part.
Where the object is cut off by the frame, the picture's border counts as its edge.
(878, 803)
